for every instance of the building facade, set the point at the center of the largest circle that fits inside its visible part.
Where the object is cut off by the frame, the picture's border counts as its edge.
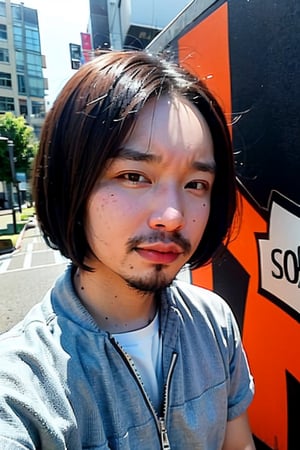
(130, 24)
(22, 84)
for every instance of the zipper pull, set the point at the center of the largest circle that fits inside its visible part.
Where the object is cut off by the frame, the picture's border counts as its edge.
(164, 435)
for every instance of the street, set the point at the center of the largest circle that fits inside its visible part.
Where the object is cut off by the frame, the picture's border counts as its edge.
(25, 276)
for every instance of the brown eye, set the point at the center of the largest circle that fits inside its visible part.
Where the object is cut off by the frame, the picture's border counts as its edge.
(134, 178)
(197, 185)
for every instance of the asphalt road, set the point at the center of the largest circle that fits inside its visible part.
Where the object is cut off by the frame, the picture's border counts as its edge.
(25, 276)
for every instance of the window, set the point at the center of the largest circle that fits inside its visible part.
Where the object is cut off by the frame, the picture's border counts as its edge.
(27, 39)
(18, 37)
(23, 107)
(3, 32)
(38, 109)
(16, 12)
(32, 40)
(2, 9)
(34, 65)
(5, 79)
(7, 104)
(4, 55)
(20, 61)
(36, 87)
(21, 84)
(30, 16)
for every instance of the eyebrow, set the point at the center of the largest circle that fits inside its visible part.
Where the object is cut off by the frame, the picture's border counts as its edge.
(135, 155)
(204, 166)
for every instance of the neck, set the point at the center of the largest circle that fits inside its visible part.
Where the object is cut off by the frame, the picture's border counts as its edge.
(115, 307)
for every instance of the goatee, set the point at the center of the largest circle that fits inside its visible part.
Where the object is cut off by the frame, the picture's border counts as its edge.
(153, 282)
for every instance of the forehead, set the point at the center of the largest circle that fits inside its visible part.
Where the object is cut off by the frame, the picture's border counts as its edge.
(174, 124)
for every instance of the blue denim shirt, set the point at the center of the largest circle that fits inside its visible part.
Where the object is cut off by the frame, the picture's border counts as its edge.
(65, 384)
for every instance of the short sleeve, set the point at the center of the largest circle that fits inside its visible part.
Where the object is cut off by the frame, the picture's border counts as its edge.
(241, 384)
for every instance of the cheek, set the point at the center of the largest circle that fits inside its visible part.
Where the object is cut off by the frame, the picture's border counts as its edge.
(200, 218)
(201, 213)
(99, 211)
(107, 209)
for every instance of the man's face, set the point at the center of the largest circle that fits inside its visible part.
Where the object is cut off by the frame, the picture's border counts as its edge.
(147, 214)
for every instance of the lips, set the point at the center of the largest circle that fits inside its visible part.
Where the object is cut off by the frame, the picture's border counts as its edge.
(160, 253)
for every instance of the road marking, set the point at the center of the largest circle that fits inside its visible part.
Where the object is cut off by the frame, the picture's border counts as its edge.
(28, 256)
(27, 263)
(35, 246)
(4, 264)
(43, 266)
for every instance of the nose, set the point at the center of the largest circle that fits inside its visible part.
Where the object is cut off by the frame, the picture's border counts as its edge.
(168, 213)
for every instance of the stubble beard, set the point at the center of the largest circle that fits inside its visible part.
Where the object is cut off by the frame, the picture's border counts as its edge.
(153, 282)
(157, 279)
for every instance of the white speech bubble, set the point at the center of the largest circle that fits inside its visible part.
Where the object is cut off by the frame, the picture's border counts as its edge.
(280, 256)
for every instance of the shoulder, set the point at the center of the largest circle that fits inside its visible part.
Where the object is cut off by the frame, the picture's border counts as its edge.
(205, 314)
(195, 298)
(27, 346)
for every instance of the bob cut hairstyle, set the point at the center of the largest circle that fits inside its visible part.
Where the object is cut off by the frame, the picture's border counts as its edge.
(89, 121)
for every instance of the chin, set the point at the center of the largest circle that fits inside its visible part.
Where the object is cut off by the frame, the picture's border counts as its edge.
(153, 282)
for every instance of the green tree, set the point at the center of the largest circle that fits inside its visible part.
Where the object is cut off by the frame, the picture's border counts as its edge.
(25, 145)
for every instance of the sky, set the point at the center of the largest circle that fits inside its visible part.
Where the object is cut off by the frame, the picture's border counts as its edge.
(60, 22)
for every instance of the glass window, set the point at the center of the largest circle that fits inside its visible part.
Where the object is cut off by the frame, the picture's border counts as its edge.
(23, 110)
(3, 32)
(29, 41)
(2, 9)
(20, 61)
(5, 79)
(21, 84)
(18, 37)
(36, 86)
(34, 71)
(34, 59)
(4, 55)
(32, 40)
(16, 12)
(27, 15)
(7, 104)
(38, 108)
(34, 65)
(30, 16)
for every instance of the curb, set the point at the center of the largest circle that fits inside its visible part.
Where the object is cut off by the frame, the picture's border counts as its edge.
(20, 238)
(29, 224)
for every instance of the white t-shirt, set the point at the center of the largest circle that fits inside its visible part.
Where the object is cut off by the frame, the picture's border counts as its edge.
(145, 349)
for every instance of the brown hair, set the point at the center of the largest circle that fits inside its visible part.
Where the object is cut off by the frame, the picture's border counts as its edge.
(86, 126)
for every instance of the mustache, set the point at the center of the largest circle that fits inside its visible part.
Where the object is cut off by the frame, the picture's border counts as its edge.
(159, 236)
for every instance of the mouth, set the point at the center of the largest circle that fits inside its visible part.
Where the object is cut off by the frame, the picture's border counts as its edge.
(159, 253)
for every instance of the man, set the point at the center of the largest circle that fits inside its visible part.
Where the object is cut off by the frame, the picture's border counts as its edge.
(133, 180)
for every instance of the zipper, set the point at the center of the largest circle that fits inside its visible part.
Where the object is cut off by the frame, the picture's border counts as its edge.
(165, 444)
(160, 421)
